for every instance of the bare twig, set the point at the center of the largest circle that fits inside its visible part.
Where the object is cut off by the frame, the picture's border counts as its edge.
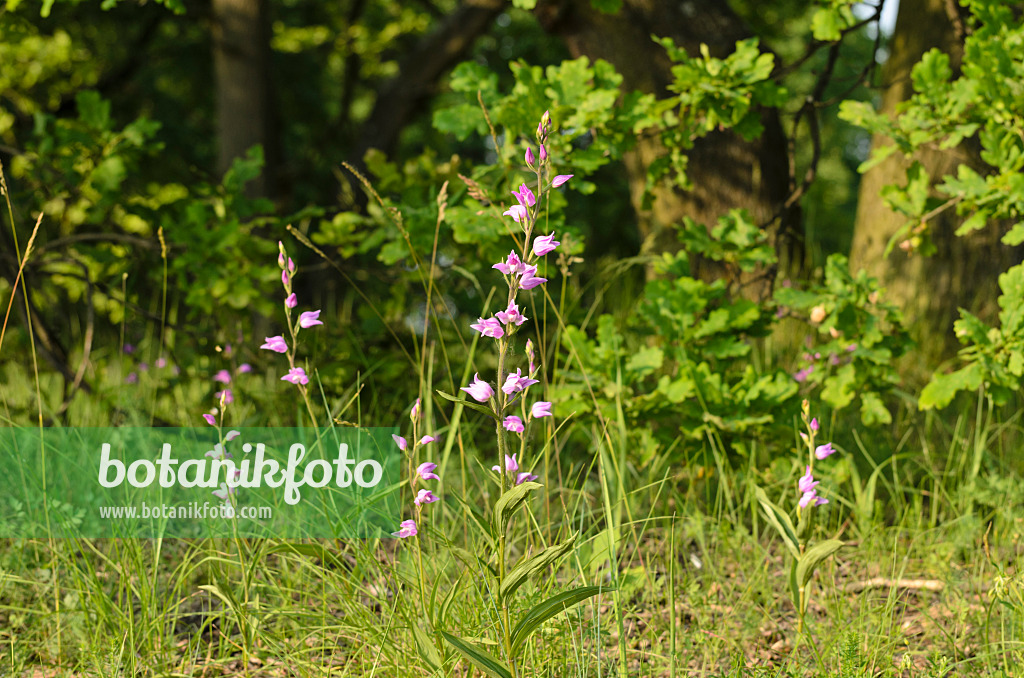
(887, 583)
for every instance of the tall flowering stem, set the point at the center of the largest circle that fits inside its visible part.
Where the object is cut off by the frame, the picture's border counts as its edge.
(417, 474)
(805, 556)
(306, 320)
(508, 402)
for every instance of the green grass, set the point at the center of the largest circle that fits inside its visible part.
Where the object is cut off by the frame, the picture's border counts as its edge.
(929, 585)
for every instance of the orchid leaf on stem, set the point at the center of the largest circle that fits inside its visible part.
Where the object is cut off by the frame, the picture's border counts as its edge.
(527, 567)
(781, 521)
(482, 660)
(547, 609)
(425, 648)
(813, 557)
(509, 502)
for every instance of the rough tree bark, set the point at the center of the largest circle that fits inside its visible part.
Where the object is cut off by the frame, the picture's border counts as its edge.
(727, 172)
(241, 54)
(963, 272)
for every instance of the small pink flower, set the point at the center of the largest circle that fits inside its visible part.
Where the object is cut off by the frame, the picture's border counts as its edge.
(479, 389)
(407, 528)
(291, 265)
(514, 424)
(489, 327)
(276, 344)
(296, 375)
(426, 440)
(216, 453)
(401, 442)
(517, 212)
(143, 367)
(132, 378)
(426, 471)
(540, 409)
(309, 319)
(291, 301)
(224, 491)
(225, 396)
(511, 315)
(801, 376)
(814, 424)
(285, 280)
(517, 382)
(543, 153)
(511, 266)
(210, 419)
(807, 483)
(543, 244)
(823, 451)
(525, 477)
(161, 363)
(223, 377)
(244, 368)
(529, 157)
(424, 497)
(560, 179)
(525, 196)
(128, 349)
(231, 435)
(811, 496)
(414, 413)
(511, 465)
(530, 279)
(807, 498)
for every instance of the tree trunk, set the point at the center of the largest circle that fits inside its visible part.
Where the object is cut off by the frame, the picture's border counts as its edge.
(241, 53)
(726, 171)
(963, 272)
(403, 96)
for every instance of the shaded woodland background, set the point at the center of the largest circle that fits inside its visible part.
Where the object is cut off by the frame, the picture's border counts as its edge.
(223, 122)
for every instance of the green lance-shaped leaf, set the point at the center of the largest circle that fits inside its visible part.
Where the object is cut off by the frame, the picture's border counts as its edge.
(812, 557)
(313, 550)
(780, 521)
(466, 403)
(441, 615)
(547, 609)
(425, 648)
(794, 587)
(482, 660)
(509, 502)
(527, 567)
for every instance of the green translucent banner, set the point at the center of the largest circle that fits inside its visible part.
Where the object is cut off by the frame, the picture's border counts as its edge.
(198, 482)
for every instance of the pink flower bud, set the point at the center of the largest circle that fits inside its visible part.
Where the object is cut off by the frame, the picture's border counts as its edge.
(309, 319)
(407, 528)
